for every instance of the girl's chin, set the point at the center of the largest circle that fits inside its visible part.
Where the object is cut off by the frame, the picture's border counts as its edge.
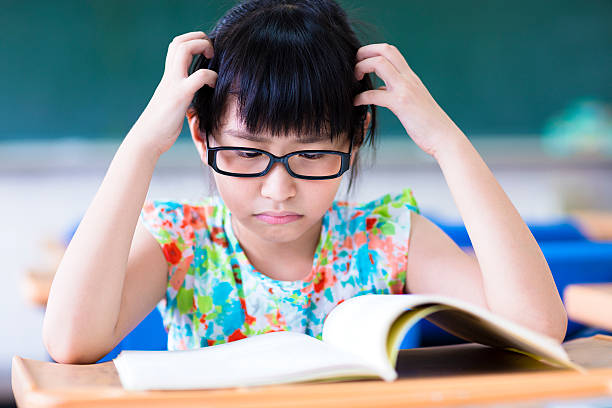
(278, 238)
(279, 233)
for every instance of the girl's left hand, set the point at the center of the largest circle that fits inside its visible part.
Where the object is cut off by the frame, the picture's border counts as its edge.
(405, 95)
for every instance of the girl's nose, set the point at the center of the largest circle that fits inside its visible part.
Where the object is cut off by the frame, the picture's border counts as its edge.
(278, 185)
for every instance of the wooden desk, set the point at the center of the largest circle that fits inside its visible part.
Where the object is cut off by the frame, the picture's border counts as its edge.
(590, 304)
(433, 376)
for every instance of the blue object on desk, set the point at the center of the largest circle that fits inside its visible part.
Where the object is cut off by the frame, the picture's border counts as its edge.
(148, 335)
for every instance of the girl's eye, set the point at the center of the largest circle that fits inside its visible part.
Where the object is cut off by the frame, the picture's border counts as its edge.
(311, 156)
(247, 154)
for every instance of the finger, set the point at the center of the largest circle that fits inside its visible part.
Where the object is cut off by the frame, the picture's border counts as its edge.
(189, 36)
(385, 50)
(373, 97)
(200, 78)
(185, 52)
(181, 39)
(381, 66)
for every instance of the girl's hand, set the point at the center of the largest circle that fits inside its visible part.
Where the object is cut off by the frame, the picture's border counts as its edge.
(162, 120)
(405, 95)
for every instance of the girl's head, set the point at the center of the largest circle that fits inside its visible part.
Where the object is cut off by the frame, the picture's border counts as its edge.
(285, 82)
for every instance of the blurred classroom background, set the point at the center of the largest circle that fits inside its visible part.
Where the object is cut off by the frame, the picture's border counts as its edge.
(529, 82)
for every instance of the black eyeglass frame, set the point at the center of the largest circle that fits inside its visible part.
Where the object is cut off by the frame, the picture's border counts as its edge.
(344, 166)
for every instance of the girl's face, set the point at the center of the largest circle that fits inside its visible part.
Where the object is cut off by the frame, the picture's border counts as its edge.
(276, 207)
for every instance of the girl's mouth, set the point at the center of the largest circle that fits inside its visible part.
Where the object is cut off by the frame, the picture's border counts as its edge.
(274, 218)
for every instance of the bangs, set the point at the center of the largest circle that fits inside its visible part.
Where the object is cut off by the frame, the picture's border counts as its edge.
(290, 69)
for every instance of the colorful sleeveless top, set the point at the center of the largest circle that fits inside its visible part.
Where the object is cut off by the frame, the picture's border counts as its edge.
(214, 295)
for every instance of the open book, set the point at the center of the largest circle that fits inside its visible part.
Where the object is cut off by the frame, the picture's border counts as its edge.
(361, 337)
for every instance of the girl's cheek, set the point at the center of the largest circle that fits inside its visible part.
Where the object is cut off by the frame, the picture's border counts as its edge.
(236, 192)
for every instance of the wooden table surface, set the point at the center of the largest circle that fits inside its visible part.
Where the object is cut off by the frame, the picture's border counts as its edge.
(433, 376)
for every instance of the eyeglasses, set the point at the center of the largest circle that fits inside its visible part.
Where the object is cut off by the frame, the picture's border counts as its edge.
(302, 164)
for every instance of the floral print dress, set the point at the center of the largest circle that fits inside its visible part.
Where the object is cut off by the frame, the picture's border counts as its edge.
(214, 295)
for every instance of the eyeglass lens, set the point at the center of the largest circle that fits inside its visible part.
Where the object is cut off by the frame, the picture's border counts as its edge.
(304, 164)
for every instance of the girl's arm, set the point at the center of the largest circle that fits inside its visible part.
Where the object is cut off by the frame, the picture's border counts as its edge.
(110, 277)
(511, 275)
(85, 300)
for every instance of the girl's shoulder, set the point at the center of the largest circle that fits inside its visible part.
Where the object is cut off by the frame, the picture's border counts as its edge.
(380, 216)
(385, 206)
(173, 216)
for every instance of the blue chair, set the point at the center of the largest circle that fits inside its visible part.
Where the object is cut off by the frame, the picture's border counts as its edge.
(563, 230)
(148, 335)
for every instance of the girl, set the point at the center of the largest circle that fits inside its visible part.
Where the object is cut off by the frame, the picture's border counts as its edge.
(279, 103)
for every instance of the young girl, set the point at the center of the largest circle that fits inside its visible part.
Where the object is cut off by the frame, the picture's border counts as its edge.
(279, 103)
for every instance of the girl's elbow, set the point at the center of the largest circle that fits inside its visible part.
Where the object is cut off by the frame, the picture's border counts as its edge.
(64, 348)
(57, 348)
(563, 326)
(558, 327)
(66, 353)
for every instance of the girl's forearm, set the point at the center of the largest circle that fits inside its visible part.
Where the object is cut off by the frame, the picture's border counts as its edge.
(516, 277)
(517, 280)
(85, 296)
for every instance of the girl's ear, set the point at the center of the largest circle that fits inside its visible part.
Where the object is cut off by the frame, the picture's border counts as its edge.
(196, 135)
(366, 124)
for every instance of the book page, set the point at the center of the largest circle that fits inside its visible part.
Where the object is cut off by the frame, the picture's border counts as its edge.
(363, 325)
(400, 327)
(501, 333)
(270, 358)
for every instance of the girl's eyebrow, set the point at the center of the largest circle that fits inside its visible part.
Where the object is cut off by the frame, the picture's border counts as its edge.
(254, 138)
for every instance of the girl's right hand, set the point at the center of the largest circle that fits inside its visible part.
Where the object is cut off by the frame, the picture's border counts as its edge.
(162, 120)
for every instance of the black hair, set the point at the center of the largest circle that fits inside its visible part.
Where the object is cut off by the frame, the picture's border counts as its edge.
(290, 65)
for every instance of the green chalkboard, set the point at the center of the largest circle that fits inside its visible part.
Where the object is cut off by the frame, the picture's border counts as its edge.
(87, 68)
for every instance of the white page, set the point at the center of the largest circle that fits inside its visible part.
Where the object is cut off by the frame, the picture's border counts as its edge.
(360, 325)
(271, 358)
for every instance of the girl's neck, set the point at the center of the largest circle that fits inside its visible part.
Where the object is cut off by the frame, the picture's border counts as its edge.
(288, 261)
